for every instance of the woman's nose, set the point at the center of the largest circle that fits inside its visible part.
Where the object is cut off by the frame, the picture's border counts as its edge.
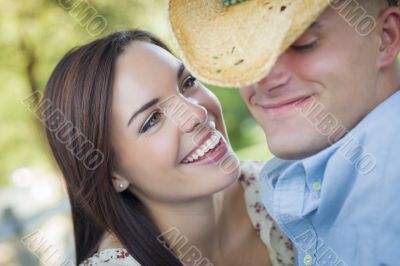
(195, 115)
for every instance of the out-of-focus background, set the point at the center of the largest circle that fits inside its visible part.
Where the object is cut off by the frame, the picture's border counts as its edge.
(35, 226)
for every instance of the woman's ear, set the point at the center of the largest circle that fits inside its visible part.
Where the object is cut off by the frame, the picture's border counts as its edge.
(390, 36)
(120, 183)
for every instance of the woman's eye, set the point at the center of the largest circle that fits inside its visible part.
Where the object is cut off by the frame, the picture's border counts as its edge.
(188, 83)
(304, 47)
(151, 121)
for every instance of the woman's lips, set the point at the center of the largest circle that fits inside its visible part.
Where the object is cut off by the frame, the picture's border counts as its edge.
(203, 140)
(213, 155)
(214, 151)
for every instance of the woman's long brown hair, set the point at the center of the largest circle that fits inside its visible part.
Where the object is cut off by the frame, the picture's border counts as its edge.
(77, 114)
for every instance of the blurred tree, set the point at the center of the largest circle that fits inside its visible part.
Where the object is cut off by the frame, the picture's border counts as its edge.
(36, 34)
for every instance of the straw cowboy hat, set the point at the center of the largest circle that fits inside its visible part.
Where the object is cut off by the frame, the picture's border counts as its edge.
(236, 43)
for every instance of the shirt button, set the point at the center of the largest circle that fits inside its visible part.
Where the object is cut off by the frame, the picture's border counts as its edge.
(308, 260)
(316, 186)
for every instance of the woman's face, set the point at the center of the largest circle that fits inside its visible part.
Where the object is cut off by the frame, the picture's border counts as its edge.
(168, 134)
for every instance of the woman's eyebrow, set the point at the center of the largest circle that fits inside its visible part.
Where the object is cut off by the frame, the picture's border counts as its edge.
(146, 106)
(143, 108)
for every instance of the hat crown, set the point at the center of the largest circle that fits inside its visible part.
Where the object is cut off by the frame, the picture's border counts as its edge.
(231, 2)
(238, 44)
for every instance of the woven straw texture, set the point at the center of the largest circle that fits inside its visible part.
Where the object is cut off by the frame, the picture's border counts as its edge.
(237, 45)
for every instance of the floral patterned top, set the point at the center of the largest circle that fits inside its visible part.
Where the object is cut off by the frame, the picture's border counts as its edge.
(279, 246)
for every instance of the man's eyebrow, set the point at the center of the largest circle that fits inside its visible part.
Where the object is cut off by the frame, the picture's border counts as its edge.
(181, 69)
(315, 24)
(143, 108)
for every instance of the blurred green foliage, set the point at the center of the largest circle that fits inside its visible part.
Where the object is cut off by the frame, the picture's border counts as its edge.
(36, 34)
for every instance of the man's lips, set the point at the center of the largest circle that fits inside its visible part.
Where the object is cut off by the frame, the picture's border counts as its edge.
(283, 103)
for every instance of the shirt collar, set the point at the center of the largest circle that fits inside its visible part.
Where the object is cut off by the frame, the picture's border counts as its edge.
(377, 118)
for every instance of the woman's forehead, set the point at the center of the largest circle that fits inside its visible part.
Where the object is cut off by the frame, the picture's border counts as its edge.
(145, 56)
(145, 66)
(143, 72)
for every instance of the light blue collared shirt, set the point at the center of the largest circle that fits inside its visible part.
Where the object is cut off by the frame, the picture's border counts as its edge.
(342, 205)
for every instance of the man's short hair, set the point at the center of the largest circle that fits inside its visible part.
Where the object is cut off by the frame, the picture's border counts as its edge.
(375, 7)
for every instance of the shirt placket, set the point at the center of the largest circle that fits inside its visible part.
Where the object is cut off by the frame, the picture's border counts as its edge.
(289, 200)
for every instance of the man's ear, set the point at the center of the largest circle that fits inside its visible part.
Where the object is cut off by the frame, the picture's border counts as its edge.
(120, 183)
(390, 36)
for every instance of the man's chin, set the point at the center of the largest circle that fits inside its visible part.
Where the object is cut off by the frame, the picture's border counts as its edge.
(290, 155)
(293, 150)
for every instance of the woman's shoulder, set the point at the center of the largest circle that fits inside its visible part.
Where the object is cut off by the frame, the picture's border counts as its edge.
(113, 256)
(280, 247)
(250, 173)
(250, 182)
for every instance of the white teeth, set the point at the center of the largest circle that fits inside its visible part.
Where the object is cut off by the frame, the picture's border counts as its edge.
(210, 144)
(207, 144)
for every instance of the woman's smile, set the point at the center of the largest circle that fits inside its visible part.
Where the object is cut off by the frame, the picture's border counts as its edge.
(212, 148)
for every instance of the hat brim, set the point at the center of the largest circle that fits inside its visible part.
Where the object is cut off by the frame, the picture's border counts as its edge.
(238, 45)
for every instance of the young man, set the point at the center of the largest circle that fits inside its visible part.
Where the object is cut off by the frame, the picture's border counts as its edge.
(328, 99)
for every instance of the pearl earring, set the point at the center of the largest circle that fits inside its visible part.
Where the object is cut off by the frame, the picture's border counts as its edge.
(121, 186)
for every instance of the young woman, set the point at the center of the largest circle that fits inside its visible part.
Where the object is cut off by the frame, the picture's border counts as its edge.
(151, 177)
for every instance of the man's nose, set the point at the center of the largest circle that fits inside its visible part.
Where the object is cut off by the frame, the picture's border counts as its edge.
(277, 78)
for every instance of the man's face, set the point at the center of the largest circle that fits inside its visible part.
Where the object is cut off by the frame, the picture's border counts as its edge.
(330, 68)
